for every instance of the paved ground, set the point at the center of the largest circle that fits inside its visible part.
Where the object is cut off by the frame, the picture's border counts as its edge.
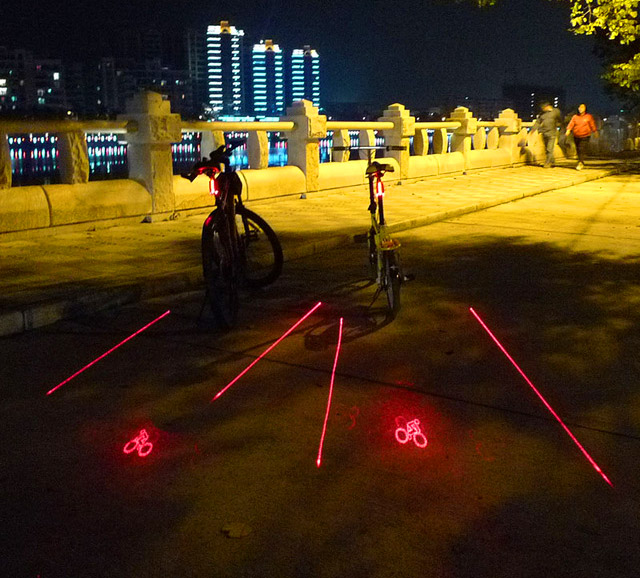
(56, 274)
(500, 491)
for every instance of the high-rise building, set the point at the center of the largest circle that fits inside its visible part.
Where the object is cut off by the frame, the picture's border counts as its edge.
(268, 79)
(225, 69)
(527, 98)
(196, 53)
(305, 75)
(29, 83)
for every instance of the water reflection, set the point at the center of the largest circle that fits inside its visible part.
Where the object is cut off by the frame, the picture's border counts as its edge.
(35, 159)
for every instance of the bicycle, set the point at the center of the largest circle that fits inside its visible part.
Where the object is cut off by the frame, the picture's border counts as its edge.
(238, 247)
(384, 256)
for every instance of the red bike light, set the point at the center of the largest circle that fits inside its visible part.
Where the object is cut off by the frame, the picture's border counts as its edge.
(214, 188)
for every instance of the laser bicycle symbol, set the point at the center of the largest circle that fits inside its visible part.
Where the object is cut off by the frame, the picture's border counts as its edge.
(411, 431)
(141, 443)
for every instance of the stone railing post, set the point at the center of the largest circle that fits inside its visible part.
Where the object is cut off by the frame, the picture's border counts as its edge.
(74, 157)
(303, 146)
(5, 162)
(400, 135)
(258, 149)
(461, 137)
(149, 151)
(510, 127)
(342, 140)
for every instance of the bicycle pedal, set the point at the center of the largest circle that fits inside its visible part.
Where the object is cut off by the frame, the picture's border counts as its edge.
(360, 238)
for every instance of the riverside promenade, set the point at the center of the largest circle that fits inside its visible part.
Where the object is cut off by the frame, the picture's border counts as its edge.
(49, 275)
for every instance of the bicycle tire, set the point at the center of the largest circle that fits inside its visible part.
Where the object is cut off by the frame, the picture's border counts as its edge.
(403, 437)
(219, 269)
(262, 257)
(392, 280)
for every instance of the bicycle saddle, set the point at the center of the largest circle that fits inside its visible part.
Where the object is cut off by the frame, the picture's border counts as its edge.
(376, 167)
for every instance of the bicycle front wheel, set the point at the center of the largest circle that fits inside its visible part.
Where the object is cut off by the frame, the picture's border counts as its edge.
(392, 280)
(261, 251)
(219, 269)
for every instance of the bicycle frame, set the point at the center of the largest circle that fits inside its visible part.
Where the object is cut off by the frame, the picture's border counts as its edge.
(378, 231)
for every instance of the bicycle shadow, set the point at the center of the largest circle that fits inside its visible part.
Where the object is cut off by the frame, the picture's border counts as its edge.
(359, 319)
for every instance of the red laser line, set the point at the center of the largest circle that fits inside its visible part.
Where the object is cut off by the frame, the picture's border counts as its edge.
(333, 375)
(570, 434)
(292, 328)
(108, 352)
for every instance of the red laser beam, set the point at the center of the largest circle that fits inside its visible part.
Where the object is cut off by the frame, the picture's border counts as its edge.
(544, 401)
(108, 352)
(333, 375)
(290, 330)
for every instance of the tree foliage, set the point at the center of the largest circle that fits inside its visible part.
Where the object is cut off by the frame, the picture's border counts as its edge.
(617, 21)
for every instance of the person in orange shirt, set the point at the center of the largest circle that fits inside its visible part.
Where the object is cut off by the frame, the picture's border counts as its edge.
(582, 126)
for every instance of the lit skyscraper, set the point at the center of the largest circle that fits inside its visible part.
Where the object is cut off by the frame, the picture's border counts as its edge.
(305, 75)
(225, 69)
(268, 80)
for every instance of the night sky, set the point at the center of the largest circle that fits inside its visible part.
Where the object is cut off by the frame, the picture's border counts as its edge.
(413, 52)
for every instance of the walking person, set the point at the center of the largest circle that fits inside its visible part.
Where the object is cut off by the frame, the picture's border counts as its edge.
(547, 125)
(582, 126)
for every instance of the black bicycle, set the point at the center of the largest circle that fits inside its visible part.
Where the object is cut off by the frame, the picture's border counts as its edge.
(384, 254)
(239, 248)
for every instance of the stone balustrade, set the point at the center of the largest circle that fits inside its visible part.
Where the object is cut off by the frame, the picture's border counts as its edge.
(416, 149)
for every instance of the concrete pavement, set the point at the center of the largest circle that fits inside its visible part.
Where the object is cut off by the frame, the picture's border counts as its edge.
(54, 275)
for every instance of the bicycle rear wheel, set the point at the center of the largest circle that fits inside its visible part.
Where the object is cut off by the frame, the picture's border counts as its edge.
(261, 251)
(392, 280)
(219, 269)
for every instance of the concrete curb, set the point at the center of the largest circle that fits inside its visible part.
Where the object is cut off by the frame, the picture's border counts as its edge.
(48, 312)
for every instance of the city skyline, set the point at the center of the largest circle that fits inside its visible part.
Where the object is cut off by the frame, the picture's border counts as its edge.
(416, 53)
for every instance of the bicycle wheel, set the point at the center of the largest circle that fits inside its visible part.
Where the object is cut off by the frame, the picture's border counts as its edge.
(219, 269)
(420, 440)
(373, 253)
(260, 248)
(392, 280)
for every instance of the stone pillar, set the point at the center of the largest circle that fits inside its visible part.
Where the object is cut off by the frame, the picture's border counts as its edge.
(493, 139)
(510, 127)
(461, 137)
(5, 162)
(421, 142)
(74, 157)
(303, 146)
(400, 135)
(210, 141)
(440, 141)
(367, 138)
(480, 139)
(342, 139)
(258, 149)
(149, 151)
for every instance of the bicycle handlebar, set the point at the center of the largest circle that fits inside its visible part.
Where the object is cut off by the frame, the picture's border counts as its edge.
(209, 166)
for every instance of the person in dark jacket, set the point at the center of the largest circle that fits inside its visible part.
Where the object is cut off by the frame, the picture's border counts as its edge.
(582, 126)
(547, 125)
